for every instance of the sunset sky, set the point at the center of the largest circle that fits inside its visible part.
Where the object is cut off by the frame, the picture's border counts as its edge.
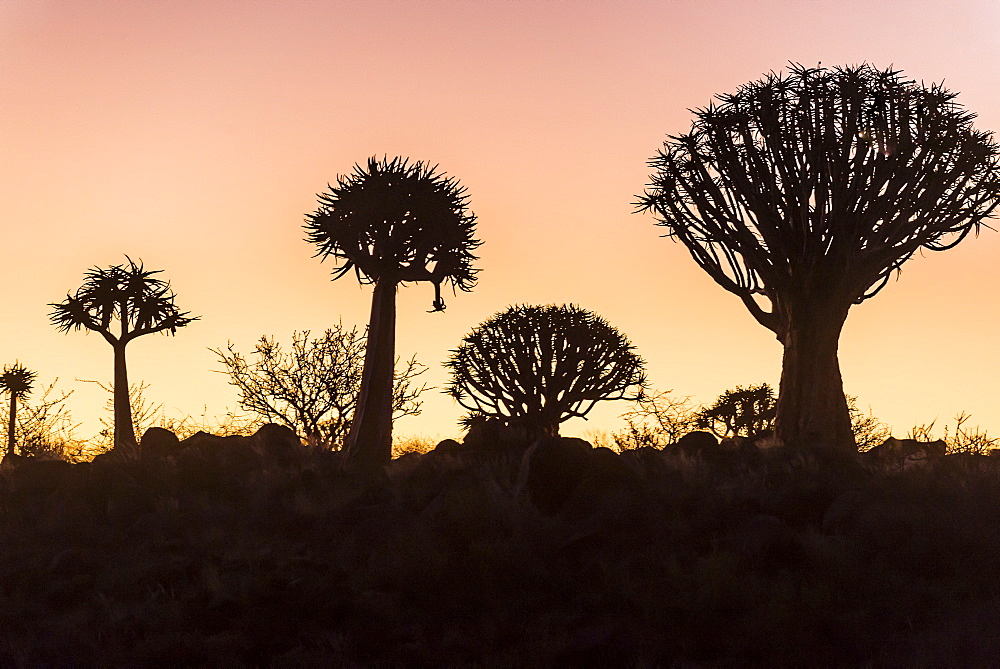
(196, 135)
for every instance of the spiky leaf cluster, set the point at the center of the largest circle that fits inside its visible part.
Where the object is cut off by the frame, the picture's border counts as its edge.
(543, 365)
(127, 293)
(397, 220)
(17, 380)
(852, 168)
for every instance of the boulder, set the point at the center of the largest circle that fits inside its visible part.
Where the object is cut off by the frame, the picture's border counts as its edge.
(607, 473)
(35, 477)
(736, 444)
(552, 469)
(277, 443)
(490, 433)
(210, 461)
(11, 461)
(905, 453)
(698, 442)
(158, 442)
(608, 485)
(447, 447)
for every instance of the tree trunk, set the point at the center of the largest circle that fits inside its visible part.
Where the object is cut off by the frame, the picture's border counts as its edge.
(12, 423)
(812, 409)
(369, 443)
(124, 428)
(540, 429)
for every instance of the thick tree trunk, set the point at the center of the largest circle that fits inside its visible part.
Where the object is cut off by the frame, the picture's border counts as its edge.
(369, 443)
(544, 429)
(124, 428)
(812, 409)
(11, 424)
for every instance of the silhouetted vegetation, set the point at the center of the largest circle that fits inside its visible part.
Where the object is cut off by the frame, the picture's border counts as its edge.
(392, 222)
(44, 425)
(657, 420)
(17, 382)
(263, 551)
(867, 429)
(313, 389)
(661, 419)
(743, 412)
(140, 303)
(802, 193)
(541, 365)
(963, 439)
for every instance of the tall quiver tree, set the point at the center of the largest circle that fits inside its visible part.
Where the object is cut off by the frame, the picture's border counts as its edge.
(802, 193)
(140, 302)
(17, 381)
(391, 222)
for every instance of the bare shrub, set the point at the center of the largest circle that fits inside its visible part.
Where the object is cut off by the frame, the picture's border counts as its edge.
(970, 440)
(658, 420)
(314, 387)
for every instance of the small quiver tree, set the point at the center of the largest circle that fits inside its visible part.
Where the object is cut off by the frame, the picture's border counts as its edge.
(802, 193)
(17, 381)
(141, 303)
(392, 222)
(743, 412)
(541, 365)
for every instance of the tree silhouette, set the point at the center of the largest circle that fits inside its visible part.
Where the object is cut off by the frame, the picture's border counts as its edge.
(313, 388)
(541, 365)
(17, 381)
(140, 303)
(657, 420)
(392, 222)
(44, 424)
(802, 193)
(743, 412)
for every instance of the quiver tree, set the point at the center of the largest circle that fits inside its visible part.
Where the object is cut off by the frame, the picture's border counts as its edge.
(743, 412)
(541, 365)
(17, 381)
(802, 193)
(391, 222)
(140, 303)
(313, 387)
(43, 424)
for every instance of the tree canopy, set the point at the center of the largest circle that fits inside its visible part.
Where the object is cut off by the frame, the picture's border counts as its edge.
(141, 303)
(853, 167)
(399, 220)
(542, 365)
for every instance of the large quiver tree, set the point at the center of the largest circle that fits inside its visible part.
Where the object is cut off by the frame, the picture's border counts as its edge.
(392, 222)
(802, 193)
(541, 365)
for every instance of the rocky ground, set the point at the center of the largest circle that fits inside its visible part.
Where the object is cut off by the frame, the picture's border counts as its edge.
(257, 551)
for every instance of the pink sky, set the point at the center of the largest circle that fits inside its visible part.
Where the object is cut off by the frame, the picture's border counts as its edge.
(195, 135)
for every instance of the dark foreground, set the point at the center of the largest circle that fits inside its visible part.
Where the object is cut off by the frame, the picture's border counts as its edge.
(258, 552)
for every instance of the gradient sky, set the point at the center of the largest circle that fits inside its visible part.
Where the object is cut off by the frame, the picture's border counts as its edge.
(195, 136)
